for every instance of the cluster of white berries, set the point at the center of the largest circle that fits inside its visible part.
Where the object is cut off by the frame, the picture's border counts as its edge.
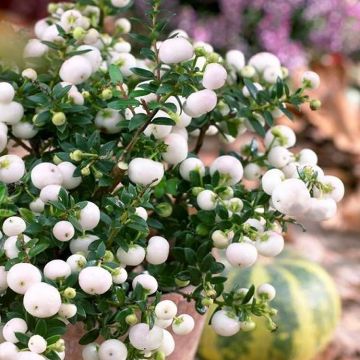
(148, 341)
(225, 322)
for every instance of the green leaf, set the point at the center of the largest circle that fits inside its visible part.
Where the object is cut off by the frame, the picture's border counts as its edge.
(41, 328)
(251, 87)
(143, 73)
(122, 104)
(163, 121)
(115, 74)
(137, 121)
(38, 249)
(249, 294)
(3, 192)
(6, 213)
(89, 337)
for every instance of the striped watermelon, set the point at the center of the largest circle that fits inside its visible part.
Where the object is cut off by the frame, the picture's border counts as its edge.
(308, 310)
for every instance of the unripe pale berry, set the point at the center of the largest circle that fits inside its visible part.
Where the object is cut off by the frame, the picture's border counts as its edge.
(225, 323)
(13, 326)
(12, 168)
(63, 230)
(89, 216)
(157, 250)
(46, 174)
(145, 171)
(247, 325)
(29, 74)
(280, 135)
(143, 338)
(214, 76)
(241, 254)
(148, 282)
(95, 280)
(57, 269)
(175, 50)
(112, 350)
(189, 165)
(229, 168)
(266, 291)
(220, 240)
(58, 118)
(270, 244)
(183, 324)
(42, 300)
(165, 310)
(310, 79)
(37, 344)
(13, 225)
(22, 276)
(206, 200)
(201, 102)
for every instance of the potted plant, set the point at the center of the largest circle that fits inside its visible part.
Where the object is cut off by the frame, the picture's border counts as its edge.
(109, 208)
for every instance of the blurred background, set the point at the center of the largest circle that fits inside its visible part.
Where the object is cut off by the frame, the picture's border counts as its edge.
(323, 35)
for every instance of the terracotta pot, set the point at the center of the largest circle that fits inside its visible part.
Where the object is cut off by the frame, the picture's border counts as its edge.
(186, 346)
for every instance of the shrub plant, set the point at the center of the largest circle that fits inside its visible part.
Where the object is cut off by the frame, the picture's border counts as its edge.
(110, 206)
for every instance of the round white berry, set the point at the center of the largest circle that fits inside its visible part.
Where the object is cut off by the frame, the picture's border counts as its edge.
(37, 206)
(183, 324)
(112, 350)
(270, 244)
(22, 276)
(76, 262)
(279, 156)
(280, 135)
(13, 326)
(168, 343)
(125, 61)
(28, 355)
(206, 200)
(35, 48)
(321, 209)
(189, 165)
(119, 276)
(145, 171)
(140, 211)
(7, 93)
(42, 300)
(37, 344)
(3, 282)
(89, 216)
(220, 240)
(24, 130)
(46, 174)
(165, 310)
(67, 170)
(11, 113)
(120, 3)
(82, 243)
(214, 76)
(262, 60)
(229, 168)
(10, 246)
(334, 188)
(148, 282)
(291, 197)
(225, 323)
(252, 171)
(29, 74)
(267, 291)
(201, 102)
(50, 193)
(271, 179)
(175, 50)
(90, 352)
(157, 250)
(272, 73)
(310, 79)
(71, 19)
(241, 254)
(12, 168)
(134, 256)
(57, 269)
(93, 56)
(163, 323)
(8, 351)
(67, 311)
(177, 149)
(108, 120)
(308, 157)
(123, 25)
(95, 280)
(75, 70)
(143, 338)
(63, 230)
(51, 34)
(13, 225)
(236, 59)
